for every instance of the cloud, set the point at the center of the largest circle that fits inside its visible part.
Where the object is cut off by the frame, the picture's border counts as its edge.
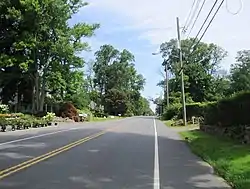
(156, 20)
(152, 18)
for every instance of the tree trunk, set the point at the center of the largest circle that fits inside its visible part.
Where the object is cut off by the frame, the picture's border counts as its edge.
(42, 92)
(33, 99)
(37, 91)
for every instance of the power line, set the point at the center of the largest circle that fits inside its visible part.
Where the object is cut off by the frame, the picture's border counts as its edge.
(194, 13)
(204, 23)
(189, 14)
(197, 17)
(208, 25)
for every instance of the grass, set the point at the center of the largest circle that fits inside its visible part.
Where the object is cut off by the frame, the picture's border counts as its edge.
(95, 119)
(230, 159)
(168, 122)
(189, 126)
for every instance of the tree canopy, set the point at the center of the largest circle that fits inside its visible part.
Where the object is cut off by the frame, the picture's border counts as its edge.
(199, 68)
(204, 80)
(117, 82)
(41, 63)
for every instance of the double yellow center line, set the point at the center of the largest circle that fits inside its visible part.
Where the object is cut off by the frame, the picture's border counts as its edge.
(9, 171)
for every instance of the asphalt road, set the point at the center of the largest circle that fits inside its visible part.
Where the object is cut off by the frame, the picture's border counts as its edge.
(130, 153)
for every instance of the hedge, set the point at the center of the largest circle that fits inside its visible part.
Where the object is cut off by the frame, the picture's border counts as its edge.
(192, 109)
(231, 111)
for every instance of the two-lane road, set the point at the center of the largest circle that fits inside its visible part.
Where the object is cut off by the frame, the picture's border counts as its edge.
(131, 153)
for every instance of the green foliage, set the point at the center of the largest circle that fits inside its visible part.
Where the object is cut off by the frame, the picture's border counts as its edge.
(173, 111)
(175, 98)
(232, 111)
(49, 117)
(229, 159)
(25, 121)
(40, 52)
(196, 109)
(116, 102)
(117, 83)
(199, 68)
(192, 109)
(240, 72)
(4, 109)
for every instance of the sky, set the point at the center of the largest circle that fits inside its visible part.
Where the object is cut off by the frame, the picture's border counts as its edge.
(142, 25)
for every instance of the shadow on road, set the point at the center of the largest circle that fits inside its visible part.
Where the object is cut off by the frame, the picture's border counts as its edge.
(119, 160)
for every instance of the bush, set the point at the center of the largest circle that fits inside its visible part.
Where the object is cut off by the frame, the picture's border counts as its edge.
(49, 116)
(193, 109)
(23, 121)
(233, 111)
(4, 109)
(172, 111)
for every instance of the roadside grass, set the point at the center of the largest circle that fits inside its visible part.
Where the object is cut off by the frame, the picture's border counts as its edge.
(189, 126)
(229, 159)
(96, 119)
(168, 122)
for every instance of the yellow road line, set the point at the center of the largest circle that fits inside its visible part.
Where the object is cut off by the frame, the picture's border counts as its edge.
(6, 172)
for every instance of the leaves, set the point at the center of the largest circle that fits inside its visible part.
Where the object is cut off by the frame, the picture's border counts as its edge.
(38, 44)
(240, 72)
(118, 82)
(199, 67)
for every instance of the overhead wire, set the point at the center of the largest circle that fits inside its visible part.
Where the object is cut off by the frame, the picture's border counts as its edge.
(205, 21)
(208, 26)
(194, 13)
(189, 14)
(197, 16)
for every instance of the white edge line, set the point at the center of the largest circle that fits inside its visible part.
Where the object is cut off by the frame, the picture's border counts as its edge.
(156, 161)
(37, 136)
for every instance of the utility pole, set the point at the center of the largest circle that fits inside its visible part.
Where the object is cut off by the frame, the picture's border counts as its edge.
(182, 75)
(166, 84)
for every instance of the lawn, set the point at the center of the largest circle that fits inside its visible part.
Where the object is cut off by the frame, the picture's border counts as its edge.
(230, 159)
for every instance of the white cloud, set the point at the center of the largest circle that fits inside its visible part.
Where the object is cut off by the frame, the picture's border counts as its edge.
(153, 19)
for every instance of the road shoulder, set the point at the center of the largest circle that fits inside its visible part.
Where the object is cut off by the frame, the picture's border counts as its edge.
(177, 159)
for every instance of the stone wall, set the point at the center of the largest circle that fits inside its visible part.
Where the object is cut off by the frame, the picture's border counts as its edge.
(240, 133)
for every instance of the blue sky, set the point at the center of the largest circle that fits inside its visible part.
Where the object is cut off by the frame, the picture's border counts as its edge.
(142, 25)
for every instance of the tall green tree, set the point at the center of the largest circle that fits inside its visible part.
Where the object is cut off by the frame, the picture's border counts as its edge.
(115, 73)
(40, 49)
(240, 72)
(199, 67)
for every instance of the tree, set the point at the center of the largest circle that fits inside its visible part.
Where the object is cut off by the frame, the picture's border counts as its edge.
(199, 67)
(117, 80)
(142, 107)
(240, 72)
(40, 50)
(159, 106)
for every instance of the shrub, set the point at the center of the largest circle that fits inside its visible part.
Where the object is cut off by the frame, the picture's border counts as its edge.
(192, 109)
(172, 111)
(49, 117)
(4, 109)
